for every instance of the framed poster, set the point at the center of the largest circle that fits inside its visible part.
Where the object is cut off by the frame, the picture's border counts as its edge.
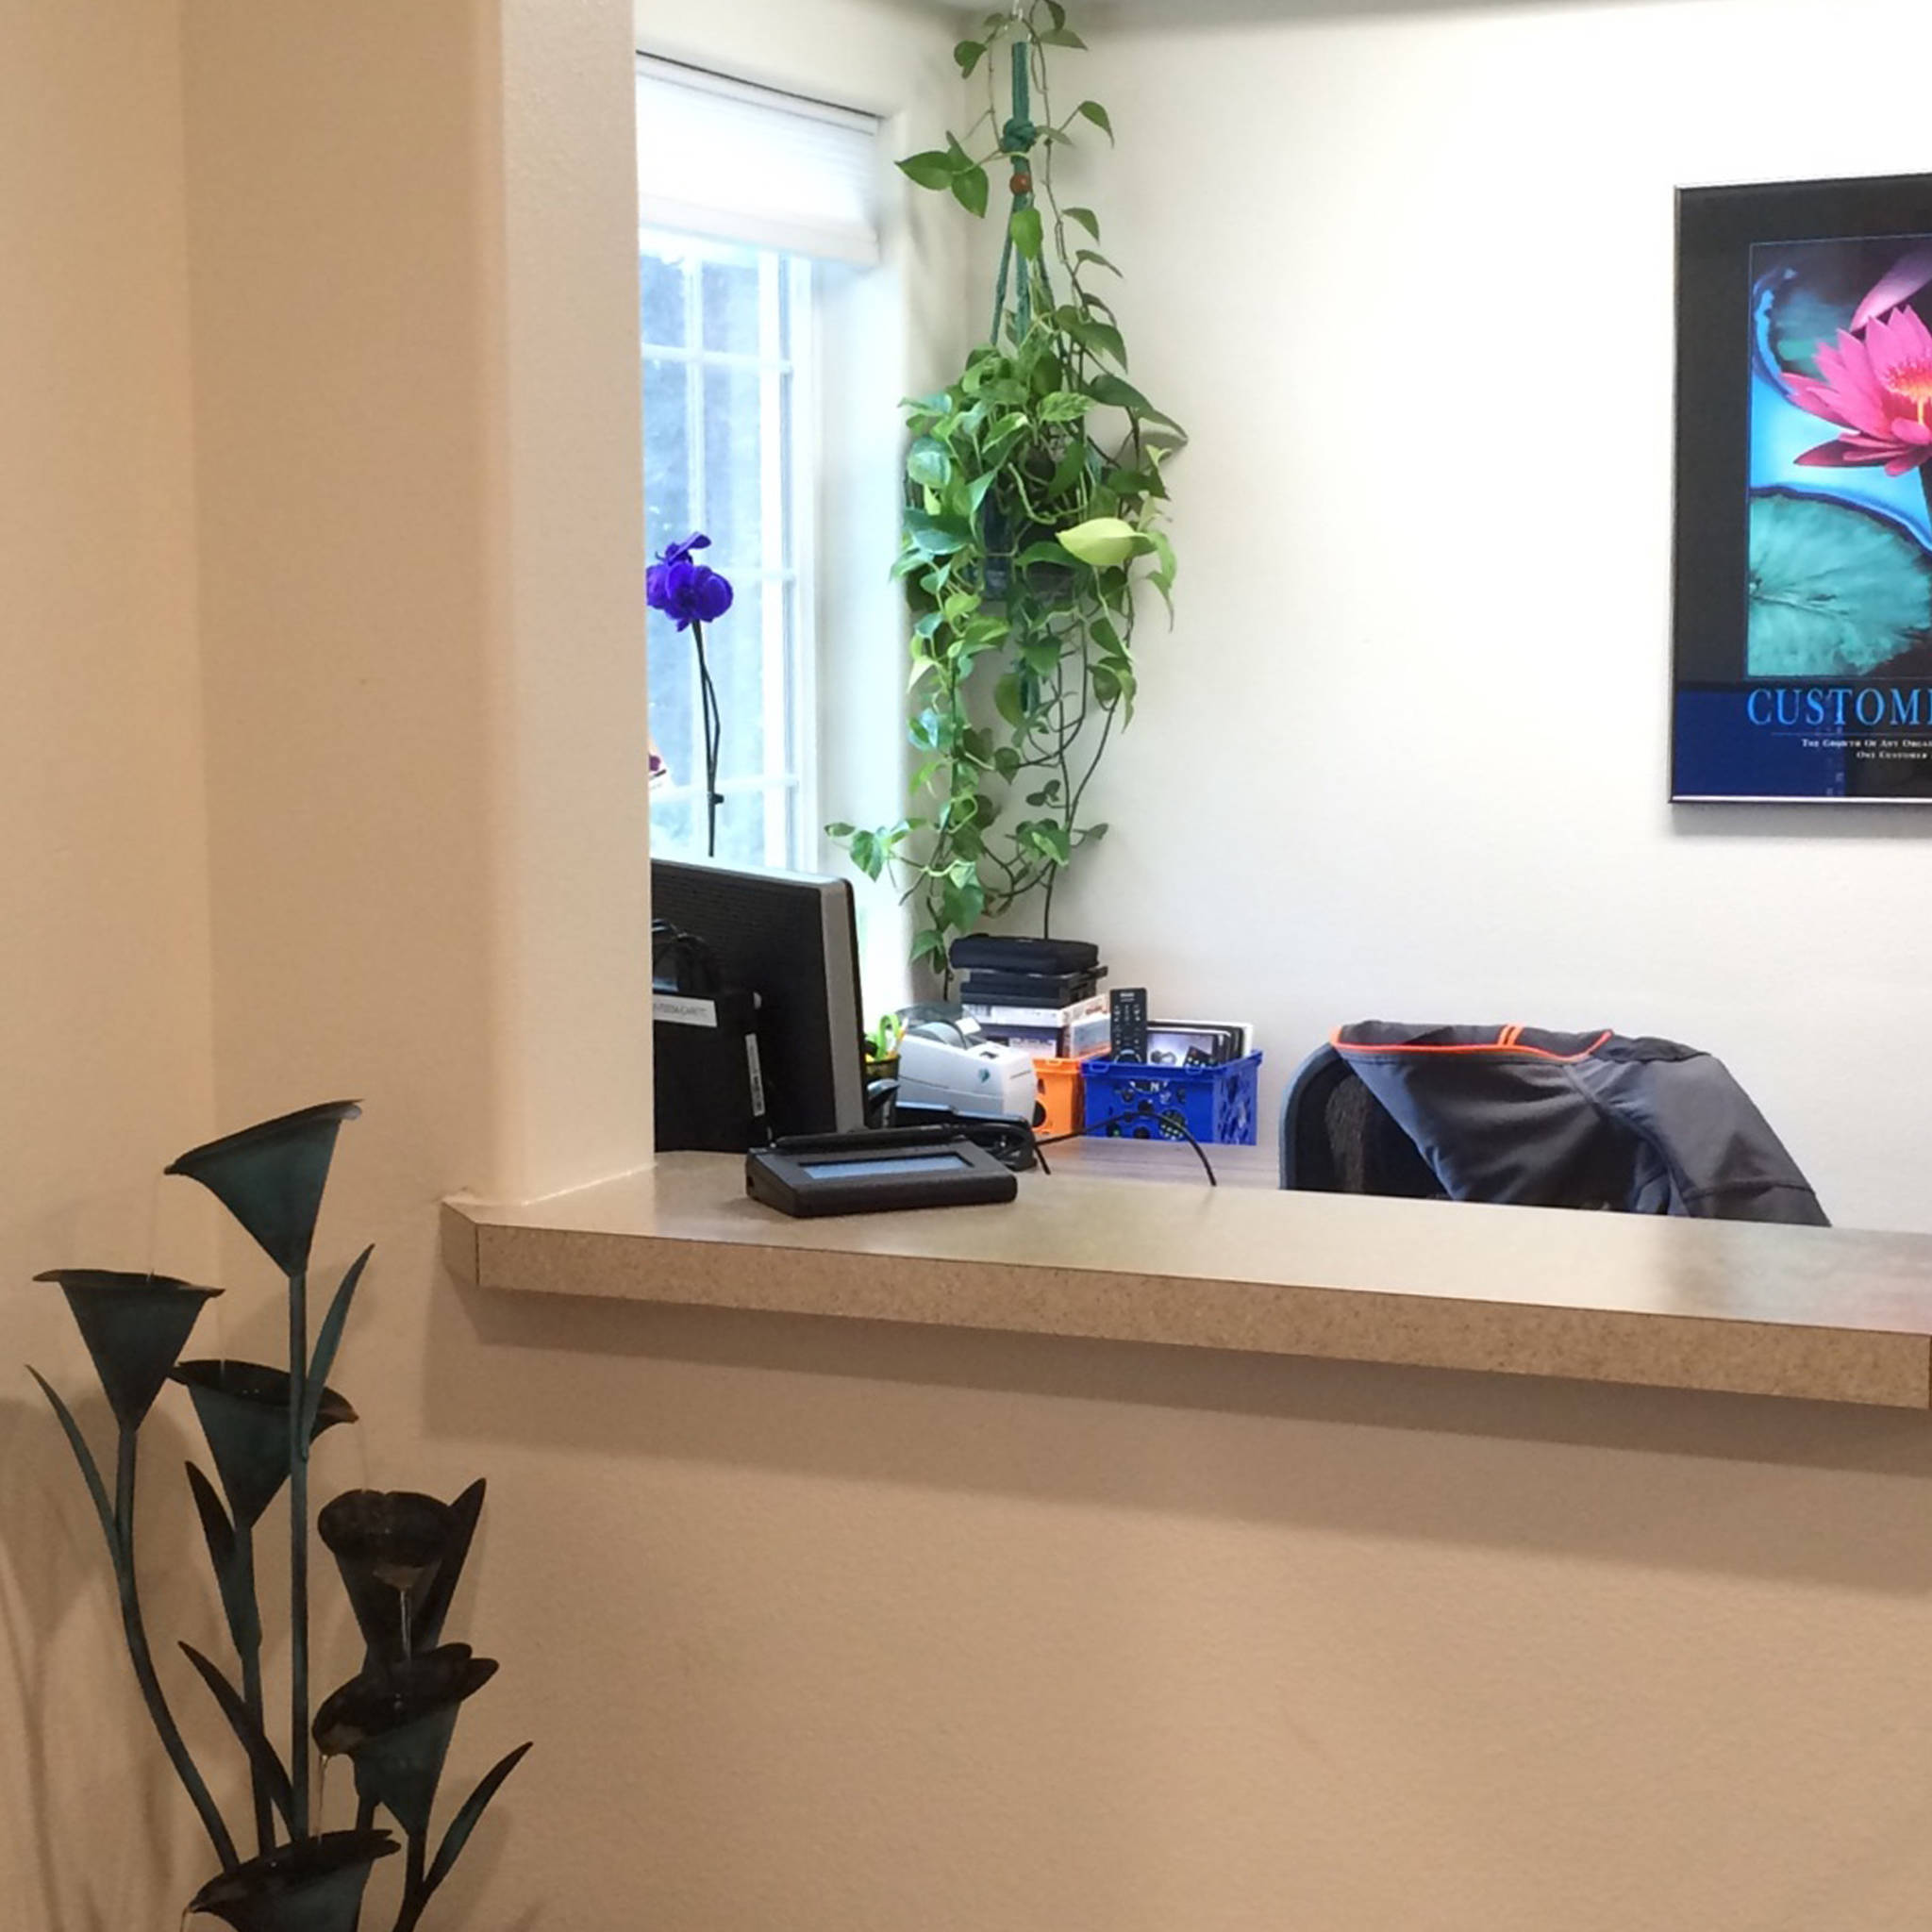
(1803, 572)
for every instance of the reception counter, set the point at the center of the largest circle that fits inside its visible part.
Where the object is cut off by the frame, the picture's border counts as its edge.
(1816, 1313)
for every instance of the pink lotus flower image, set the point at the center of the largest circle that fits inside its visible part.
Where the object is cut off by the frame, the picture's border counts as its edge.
(1876, 386)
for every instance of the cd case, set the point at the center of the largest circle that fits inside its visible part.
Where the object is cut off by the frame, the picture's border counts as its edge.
(1196, 1042)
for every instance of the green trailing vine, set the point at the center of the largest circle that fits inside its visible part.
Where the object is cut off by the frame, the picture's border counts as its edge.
(1034, 497)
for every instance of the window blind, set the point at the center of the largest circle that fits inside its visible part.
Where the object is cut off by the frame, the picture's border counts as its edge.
(743, 163)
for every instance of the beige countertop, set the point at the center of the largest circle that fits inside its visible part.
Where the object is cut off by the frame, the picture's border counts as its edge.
(1095, 1250)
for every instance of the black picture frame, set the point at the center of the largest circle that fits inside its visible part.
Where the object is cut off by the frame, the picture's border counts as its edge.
(1802, 566)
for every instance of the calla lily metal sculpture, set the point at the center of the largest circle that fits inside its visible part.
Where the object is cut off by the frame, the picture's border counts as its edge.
(400, 1555)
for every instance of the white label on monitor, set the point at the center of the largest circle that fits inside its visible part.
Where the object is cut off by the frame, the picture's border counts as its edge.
(681, 1011)
(758, 1077)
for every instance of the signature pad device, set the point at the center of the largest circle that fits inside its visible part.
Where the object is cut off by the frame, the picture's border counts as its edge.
(815, 1174)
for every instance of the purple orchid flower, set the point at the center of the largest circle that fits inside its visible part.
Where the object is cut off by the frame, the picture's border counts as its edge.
(689, 592)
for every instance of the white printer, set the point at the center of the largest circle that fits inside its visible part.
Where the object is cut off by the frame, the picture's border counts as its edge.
(946, 1064)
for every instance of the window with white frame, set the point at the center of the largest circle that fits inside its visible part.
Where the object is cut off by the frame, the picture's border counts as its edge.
(748, 200)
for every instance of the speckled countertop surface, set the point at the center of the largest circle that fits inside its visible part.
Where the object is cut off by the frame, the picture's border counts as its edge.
(1819, 1313)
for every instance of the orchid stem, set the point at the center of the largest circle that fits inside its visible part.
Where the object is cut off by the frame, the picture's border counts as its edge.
(298, 1555)
(714, 739)
(136, 1632)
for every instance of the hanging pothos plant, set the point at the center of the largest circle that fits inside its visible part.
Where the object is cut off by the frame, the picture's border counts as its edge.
(1034, 495)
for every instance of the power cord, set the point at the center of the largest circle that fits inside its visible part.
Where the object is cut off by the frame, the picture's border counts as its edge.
(1144, 1110)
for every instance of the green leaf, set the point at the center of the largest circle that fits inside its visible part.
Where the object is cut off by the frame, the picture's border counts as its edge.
(1025, 230)
(1086, 218)
(838, 829)
(866, 854)
(1057, 13)
(1117, 393)
(327, 1339)
(1046, 837)
(1162, 578)
(1006, 761)
(1092, 258)
(1006, 432)
(971, 190)
(262, 1760)
(1835, 590)
(969, 54)
(929, 944)
(935, 168)
(960, 905)
(936, 536)
(1094, 112)
(1008, 701)
(929, 462)
(464, 1822)
(1099, 338)
(1064, 406)
(1102, 542)
(1060, 37)
(1093, 835)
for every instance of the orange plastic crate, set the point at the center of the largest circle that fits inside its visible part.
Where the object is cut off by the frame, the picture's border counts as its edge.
(1060, 1090)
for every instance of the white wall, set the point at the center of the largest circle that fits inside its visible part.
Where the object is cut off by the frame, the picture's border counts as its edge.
(1406, 277)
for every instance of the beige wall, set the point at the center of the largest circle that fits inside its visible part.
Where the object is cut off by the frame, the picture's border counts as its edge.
(816, 1625)
(104, 973)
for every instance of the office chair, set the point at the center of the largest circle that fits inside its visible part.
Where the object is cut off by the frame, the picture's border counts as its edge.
(1524, 1116)
(1337, 1139)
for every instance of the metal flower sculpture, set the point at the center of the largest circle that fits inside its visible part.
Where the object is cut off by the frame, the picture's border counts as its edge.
(312, 1886)
(400, 1555)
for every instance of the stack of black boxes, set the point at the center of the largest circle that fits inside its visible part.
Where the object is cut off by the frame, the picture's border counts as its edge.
(1039, 995)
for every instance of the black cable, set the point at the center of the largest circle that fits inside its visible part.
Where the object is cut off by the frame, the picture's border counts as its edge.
(1145, 1111)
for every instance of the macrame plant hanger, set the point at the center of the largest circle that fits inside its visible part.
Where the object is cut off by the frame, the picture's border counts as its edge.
(1017, 140)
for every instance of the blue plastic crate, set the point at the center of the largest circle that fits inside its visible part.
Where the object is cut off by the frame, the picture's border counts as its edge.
(1125, 1099)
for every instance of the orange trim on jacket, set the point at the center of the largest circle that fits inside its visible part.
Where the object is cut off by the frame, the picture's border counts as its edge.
(1506, 1041)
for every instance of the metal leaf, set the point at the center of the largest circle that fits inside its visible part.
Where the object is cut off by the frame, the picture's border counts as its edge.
(262, 1758)
(466, 1819)
(426, 1632)
(329, 1339)
(89, 1468)
(238, 1599)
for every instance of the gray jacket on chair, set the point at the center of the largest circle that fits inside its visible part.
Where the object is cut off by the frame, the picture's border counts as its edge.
(1579, 1119)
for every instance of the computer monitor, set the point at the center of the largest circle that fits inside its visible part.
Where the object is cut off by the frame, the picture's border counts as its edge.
(792, 939)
